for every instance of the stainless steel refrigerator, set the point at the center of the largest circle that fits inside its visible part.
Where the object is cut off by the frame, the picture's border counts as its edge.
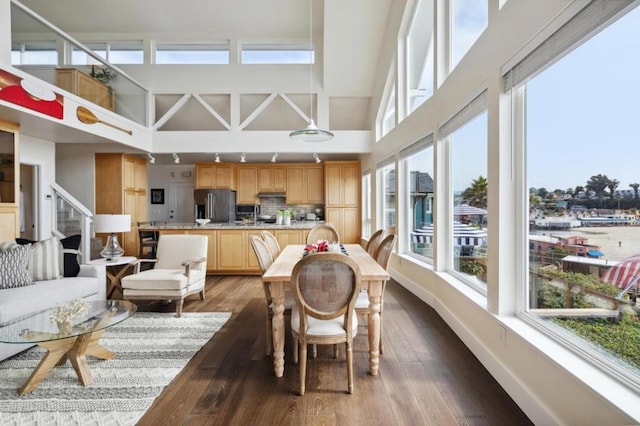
(218, 205)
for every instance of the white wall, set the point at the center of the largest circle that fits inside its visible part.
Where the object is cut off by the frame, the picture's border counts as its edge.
(41, 153)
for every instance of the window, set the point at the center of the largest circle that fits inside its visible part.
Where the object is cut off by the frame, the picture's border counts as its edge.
(582, 174)
(389, 119)
(167, 53)
(420, 58)
(120, 52)
(366, 205)
(469, 20)
(34, 53)
(277, 54)
(467, 138)
(387, 200)
(417, 161)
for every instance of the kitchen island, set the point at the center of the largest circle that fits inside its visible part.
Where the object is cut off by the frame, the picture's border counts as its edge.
(229, 251)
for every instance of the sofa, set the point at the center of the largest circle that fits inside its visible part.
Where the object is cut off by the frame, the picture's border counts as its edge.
(35, 276)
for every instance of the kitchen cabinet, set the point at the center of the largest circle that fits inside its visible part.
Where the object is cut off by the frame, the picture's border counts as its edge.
(247, 185)
(305, 184)
(120, 188)
(272, 178)
(342, 194)
(289, 236)
(216, 176)
(87, 87)
(235, 254)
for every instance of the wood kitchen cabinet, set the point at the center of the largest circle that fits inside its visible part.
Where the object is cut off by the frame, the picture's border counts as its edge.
(235, 254)
(342, 195)
(9, 181)
(216, 176)
(121, 188)
(305, 184)
(272, 178)
(247, 185)
(87, 87)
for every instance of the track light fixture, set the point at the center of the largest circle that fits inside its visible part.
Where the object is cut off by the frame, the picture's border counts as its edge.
(243, 158)
(217, 160)
(274, 157)
(152, 159)
(176, 159)
(315, 156)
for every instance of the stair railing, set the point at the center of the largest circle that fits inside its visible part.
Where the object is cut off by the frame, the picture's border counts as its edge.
(71, 217)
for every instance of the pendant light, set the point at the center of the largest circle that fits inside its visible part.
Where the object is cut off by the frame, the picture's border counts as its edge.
(311, 133)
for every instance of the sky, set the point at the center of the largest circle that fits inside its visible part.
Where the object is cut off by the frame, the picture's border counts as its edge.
(583, 112)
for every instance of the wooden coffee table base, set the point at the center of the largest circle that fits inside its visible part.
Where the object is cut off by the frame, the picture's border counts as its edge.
(74, 349)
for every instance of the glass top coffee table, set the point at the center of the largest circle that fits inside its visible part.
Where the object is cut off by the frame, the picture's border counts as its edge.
(69, 340)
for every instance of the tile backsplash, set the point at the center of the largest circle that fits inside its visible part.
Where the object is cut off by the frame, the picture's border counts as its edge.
(270, 205)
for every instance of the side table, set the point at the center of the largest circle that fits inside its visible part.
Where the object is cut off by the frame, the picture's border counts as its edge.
(116, 269)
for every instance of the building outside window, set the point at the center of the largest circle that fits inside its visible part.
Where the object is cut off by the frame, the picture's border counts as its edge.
(387, 200)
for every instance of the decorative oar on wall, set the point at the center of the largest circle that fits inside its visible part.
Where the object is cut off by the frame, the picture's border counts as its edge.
(88, 117)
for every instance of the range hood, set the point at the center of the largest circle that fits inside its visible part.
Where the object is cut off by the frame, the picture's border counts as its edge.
(271, 195)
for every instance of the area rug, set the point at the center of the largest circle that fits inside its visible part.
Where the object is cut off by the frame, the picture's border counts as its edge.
(151, 349)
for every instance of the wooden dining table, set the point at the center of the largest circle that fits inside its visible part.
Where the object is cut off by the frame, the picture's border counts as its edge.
(279, 276)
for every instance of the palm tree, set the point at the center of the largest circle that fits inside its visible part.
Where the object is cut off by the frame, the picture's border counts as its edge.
(476, 194)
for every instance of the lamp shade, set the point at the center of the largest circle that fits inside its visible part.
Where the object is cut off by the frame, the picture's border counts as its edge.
(108, 223)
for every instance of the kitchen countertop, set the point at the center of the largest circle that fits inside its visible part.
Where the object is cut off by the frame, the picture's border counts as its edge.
(304, 224)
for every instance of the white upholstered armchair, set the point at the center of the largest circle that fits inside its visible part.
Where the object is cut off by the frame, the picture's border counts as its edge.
(180, 270)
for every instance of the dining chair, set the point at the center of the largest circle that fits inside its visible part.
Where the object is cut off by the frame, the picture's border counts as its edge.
(180, 269)
(148, 241)
(382, 256)
(374, 240)
(265, 259)
(325, 289)
(272, 243)
(323, 232)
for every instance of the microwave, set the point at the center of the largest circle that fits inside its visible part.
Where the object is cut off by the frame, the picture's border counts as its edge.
(247, 210)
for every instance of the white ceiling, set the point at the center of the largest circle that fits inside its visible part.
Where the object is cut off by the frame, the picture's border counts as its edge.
(351, 32)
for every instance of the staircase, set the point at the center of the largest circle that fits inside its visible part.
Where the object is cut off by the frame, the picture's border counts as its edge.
(71, 217)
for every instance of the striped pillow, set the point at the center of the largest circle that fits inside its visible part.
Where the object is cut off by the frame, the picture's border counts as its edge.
(44, 263)
(13, 267)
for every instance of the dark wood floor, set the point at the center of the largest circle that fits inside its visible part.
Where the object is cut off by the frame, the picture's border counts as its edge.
(427, 376)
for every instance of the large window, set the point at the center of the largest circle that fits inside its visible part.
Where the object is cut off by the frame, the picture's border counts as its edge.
(34, 53)
(387, 200)
(277, 54)
(366, 205)
(175, 53)
(467, 138)
(469, 20)
(582, 163)
(420, 42)
(417, 162)
(389, 117)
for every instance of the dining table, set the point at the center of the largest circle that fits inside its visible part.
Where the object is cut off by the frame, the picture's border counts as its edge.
(278, 276)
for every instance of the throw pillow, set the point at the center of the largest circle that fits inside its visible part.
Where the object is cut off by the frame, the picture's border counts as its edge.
(13, 267)
(70, 250)
(46, 255)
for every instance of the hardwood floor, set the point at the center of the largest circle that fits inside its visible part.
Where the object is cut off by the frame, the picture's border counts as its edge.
(427, 376)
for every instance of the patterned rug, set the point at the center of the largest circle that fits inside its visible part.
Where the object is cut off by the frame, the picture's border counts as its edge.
(151, 349)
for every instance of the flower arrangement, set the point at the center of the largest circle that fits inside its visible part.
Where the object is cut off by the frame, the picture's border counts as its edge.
(319, 247)
(102, 74)
(65, 313)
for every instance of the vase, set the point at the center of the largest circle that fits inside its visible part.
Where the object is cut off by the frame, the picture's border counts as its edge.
(65, 327)
(279, 220)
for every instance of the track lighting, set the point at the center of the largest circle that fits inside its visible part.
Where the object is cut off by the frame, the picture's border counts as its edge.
(315, 156)
(217, 160)
(274, 157)
(176, 159)
(243, 158)
(152, 159)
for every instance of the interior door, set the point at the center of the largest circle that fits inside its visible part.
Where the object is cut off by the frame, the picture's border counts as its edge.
(181, 202)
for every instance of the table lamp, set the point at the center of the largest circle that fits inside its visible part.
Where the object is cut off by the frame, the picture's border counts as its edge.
(111, 223)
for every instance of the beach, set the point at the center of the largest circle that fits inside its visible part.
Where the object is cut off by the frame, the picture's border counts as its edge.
(616, 242)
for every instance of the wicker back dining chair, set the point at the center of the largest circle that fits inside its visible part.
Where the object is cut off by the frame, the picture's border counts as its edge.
(323, 232)
(325, 289)
(382, 256)
(265, 259)
(272, 243)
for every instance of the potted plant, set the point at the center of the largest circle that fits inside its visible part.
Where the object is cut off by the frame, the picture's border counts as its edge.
(279, 217)
(288, 214)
